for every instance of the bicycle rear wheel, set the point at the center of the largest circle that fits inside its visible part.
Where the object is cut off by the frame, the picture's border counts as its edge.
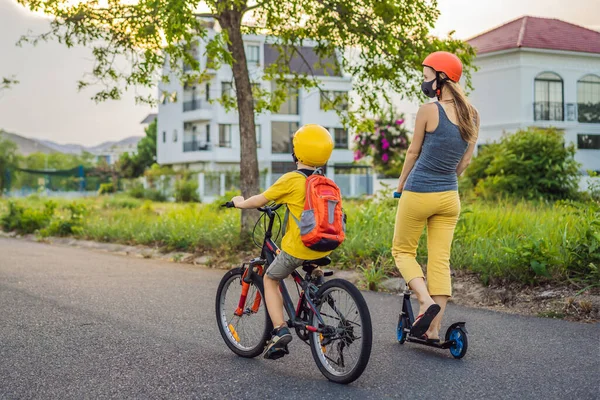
(342, 356)
(245, 326)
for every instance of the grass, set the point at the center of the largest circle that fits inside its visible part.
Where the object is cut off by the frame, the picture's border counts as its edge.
(519, 241)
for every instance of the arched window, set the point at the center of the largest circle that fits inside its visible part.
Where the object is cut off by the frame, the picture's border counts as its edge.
(588, 99)
(549, 104)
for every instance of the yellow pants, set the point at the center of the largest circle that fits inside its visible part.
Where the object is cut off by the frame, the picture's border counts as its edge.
(440, 212)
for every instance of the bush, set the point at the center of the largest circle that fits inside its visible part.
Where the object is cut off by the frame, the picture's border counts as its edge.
(531, 164)
(72, 225)
(106, 188)
(186, 190)
(25, 219)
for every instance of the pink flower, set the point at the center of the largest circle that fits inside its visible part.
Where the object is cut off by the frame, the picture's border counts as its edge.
(385, 157)
(357, 155)
(385, 144)
(399, 121)
(356, 138)
(402, 141)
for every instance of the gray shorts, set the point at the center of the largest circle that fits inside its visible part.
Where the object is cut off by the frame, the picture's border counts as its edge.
(283, 265)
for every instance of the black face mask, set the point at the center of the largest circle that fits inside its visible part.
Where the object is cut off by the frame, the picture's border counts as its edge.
(427, 88)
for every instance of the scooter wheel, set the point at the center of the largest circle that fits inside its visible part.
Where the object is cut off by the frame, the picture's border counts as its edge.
(459, 336)
(400, 334)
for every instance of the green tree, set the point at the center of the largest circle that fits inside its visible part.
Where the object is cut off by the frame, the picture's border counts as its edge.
(132, 166)
(8, 160)
(380, 43)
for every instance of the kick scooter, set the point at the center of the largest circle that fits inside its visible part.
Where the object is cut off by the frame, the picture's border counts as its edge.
(456, 335)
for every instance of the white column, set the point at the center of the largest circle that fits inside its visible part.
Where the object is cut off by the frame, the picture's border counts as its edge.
(222, 184)
(353, 185)
(201, 186)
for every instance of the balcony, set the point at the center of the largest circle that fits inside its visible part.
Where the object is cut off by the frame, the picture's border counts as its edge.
(195, 104)
(196, 146)
(548, 111)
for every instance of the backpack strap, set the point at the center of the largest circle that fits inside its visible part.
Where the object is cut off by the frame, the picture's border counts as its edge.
(287, 210)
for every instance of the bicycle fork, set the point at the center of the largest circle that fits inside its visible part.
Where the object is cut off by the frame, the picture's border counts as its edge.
(246, 280)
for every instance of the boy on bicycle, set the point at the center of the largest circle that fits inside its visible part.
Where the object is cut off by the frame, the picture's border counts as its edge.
(312, 147)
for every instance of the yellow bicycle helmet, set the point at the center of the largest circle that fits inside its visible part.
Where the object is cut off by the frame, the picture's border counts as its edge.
(312, 145)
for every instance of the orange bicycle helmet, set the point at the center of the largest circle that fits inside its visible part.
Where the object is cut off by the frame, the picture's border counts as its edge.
(448, 63)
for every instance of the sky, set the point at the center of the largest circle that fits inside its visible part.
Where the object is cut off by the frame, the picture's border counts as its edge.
(46, 103)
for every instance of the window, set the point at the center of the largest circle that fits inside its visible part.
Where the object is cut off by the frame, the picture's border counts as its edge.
(207, 133)
(330, 97)
(340, 138)
(588, 142)
(224, 135)
(290, 105)
(548, 104)
(227, 89)
(207, 91)
(164, 137)
(588, 99)
(258, 136)
(252, 54)
(174, 135)
(281, 136)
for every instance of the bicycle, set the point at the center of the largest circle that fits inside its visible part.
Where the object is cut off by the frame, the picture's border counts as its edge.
(340, 338)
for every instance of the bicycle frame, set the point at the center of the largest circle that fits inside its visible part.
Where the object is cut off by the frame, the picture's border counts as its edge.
(259, 266)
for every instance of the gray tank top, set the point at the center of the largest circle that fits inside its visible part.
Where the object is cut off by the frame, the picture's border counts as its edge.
(442, 150)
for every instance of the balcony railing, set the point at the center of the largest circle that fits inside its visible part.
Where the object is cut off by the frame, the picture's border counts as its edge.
(548, 111)
(196, 146)
(195, 104)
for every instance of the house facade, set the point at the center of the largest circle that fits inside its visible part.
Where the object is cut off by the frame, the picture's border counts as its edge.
(540, 72)
(196, 132)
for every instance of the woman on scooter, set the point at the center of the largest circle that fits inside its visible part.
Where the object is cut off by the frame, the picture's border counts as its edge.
(441, 149)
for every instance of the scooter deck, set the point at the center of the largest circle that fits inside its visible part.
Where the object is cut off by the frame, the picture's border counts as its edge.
(441, 345)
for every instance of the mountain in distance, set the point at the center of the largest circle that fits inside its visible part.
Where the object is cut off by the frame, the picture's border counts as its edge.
(27, 145)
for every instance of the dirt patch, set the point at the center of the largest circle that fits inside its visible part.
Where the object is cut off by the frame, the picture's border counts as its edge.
(561, 302)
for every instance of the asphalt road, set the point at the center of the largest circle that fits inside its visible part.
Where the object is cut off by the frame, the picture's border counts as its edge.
(77, 324)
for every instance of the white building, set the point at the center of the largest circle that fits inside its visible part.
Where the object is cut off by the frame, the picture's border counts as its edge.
(540, 72)
(196, 132)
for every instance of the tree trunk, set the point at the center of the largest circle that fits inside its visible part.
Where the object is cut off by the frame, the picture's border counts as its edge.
(230, 21)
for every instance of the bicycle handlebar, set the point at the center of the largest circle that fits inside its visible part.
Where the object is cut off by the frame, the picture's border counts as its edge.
(230, 204)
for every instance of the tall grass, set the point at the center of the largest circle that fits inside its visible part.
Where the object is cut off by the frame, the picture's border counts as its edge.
(528, 242)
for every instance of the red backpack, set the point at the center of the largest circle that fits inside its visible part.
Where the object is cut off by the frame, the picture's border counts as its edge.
(323, 222)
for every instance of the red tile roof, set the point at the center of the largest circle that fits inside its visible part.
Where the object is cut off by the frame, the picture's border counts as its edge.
(538, 33)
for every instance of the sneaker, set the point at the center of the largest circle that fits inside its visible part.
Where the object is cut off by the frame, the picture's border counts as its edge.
(277, 346)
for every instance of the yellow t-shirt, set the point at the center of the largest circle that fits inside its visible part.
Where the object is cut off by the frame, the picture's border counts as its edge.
(290, 189)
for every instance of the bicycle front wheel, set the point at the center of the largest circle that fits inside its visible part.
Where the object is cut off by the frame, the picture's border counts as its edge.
(342, 354)
(243, 321)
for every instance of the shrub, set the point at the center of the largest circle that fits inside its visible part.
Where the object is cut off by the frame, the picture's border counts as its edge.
(26, 219)
(106, 188)
(531, 164)
(72, 225)
(186, 190)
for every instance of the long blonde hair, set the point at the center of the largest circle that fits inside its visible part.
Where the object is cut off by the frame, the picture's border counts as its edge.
(468, 119)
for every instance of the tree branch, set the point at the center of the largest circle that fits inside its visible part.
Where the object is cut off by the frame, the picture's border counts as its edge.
(257, 5)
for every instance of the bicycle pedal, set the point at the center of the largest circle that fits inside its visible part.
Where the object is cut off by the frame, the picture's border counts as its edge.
(276, 354)
(327, 273)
